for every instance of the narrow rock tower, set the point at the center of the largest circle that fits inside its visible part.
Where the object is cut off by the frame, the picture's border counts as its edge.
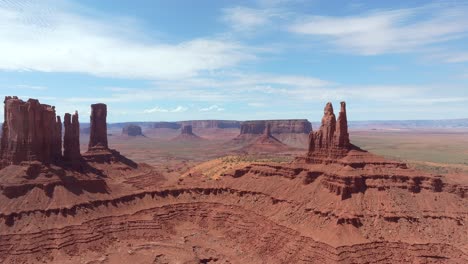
(331, 141)
(71, 138)
(98, 132)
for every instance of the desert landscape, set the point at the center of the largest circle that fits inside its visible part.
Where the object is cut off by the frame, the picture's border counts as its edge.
(216, 132)
(246, 198)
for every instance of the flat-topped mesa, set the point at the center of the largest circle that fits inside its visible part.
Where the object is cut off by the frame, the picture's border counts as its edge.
(331, 141)
(98, 130)
(187, 130)
(29, 132)
(71, 138)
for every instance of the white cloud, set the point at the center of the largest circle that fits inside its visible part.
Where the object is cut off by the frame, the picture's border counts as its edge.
(30, 87)
(157, 109)
(456, 58)
(36, 36)
(244, 19)
(388, 31)
(212, 108)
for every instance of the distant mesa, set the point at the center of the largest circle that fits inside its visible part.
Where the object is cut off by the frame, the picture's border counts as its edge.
(132, 130)
(266, 143)
(186, 134)
(292, 132)
(196, 124)
(169, 125)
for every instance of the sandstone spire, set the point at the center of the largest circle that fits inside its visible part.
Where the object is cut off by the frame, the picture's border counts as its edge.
(98, 132)
(57, 139)
(71, 138)
(341, 134)
(331, 141)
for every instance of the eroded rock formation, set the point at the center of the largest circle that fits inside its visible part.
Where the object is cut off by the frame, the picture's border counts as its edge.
(98, 132)
(71, 138)
(187, 130)
(29, 132)
(331, 141)
(132, 130)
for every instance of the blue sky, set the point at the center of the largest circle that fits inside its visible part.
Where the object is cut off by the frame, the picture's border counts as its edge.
(266, 59)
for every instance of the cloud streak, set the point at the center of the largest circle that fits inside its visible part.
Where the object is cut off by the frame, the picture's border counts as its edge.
(157, 109)
(38, 38)
(387, 31)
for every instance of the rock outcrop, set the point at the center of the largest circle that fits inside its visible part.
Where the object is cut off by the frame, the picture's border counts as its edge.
(187, 130)
(132, 130)
(266, 143)
(29, 132)
(331, 141)
(71, 138)
(98, 132)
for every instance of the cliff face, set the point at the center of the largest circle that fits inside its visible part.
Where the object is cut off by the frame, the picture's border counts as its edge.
(331, 141)
(171, 125)
(98, 130)
(299, 126)
(30, 132)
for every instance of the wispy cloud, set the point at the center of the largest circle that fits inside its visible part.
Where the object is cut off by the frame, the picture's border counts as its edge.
(388, 31)
(38, 37)
(211, 108)
(244, 18)
(30, 87)
(157, 109)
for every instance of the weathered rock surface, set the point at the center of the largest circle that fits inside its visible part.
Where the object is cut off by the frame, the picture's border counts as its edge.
(132, 130)
(331, 141)
(71, 138)
(98, 130)
(359, 208)
(29, 132)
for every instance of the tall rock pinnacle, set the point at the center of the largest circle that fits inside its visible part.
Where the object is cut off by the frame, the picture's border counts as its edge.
(331, 141)
(98, 133)
(71, 138)
(341, 135)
